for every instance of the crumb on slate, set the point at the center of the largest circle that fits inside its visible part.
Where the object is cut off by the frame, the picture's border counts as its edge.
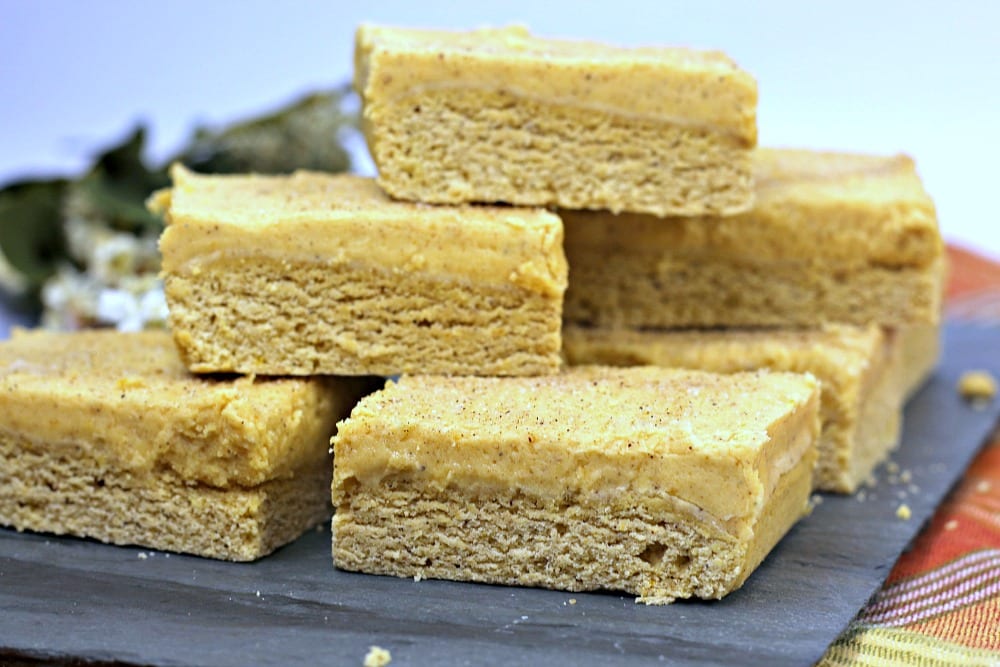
(903, 512)
(977, 387)
(377, 657)
(814, 501)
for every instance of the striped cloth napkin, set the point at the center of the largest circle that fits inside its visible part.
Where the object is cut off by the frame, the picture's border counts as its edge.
(941, 602)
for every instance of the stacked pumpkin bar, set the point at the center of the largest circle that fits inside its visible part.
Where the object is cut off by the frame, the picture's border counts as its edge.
(835, 271)
(661, 482)
(488, 460)
(582, 479)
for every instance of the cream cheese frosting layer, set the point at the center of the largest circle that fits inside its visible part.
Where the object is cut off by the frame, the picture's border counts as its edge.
(348, 219)
(126, 399)
(720, 443)
(683, 86)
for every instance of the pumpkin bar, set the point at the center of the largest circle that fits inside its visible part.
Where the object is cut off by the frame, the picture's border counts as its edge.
(323, 274)
(497, 115)
(833, 237)
(662, 483)
(866, 374)
(106, 435)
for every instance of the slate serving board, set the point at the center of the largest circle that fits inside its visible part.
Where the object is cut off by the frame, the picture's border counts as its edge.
(64, 598)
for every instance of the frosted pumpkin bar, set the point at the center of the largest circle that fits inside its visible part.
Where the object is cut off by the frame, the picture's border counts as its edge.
(866, 374)
(106, 435)
(497, 115)
(833, 237)
(662, 483)
(321, 274)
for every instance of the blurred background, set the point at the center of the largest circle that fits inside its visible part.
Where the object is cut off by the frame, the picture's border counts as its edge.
(915, 77)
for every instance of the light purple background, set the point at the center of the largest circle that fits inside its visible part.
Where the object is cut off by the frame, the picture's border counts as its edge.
(883, 77)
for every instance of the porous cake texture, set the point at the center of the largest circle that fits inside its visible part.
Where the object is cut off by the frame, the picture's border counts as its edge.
(866, 374)
(832, 238)
(497, 115)
(321, 274)
(919, 351)
(106, 435)
(662, 483)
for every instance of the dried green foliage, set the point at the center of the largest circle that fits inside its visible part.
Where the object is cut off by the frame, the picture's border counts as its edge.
(302, 136)
(116, 187)
(31, 234)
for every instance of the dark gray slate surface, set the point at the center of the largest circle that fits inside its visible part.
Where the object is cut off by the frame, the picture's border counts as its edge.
(63, 597)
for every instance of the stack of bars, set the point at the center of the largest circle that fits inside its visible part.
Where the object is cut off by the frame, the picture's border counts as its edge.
(782, 304)
(545, 214)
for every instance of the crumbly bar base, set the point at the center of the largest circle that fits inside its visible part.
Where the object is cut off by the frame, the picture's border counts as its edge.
(299, 318)
(665, 292)
(56, 490)
(862, 436)
(660, 550)
(455, 146)
(877, 426)
(919, 351)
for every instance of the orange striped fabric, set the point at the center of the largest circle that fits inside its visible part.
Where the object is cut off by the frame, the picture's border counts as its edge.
(941, 603)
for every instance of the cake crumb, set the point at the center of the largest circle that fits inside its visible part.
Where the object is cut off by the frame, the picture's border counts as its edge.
(377, 657)
(906, 477)
(892, 467)
(418, 577)
(861, 496)
(903, 512)
(951, 525)
(814, 501)
(142, 555)
(258, 593)
(977, 387)
(572, 600)
(983, 486)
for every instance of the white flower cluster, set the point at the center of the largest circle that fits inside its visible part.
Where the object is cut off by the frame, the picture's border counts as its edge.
(118, 287)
